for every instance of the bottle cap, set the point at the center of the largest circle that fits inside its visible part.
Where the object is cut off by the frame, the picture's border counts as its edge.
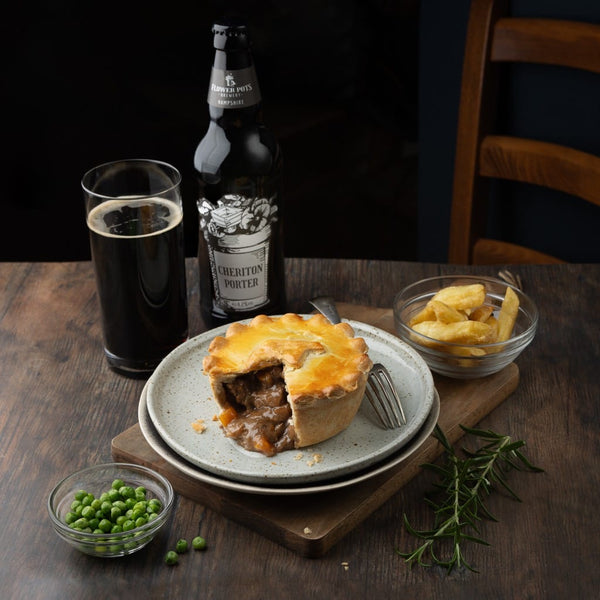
(231, 34)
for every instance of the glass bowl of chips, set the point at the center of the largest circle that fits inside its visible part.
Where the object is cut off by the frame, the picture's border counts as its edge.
(465, 326)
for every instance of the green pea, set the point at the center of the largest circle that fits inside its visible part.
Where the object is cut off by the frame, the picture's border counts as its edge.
(113, 495)
(87, 500)
(70, 517)
(130, 545)
(127, 491)
(105, 525)
(88, 512)
(199, 543)
(155, 503)
(81, 523)
(171, 557)
(128, 525)
(181, 546)
(140, 521)
(137, 513)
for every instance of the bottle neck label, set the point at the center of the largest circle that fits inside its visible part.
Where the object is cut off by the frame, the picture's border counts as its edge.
(238, 233)
(233, 88)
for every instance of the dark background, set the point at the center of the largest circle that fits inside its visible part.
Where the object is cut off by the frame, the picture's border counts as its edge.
(86, 83)
(362, 94)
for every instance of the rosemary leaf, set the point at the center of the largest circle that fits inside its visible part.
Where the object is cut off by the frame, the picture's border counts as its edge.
(464, 482)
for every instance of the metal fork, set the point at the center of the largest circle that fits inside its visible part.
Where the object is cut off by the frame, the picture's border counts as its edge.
(511, 278)
(380, 390)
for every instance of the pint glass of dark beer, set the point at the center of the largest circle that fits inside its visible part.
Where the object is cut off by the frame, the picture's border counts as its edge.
(135, 222)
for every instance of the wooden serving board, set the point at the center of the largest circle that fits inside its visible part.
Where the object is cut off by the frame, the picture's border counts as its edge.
(311, 524)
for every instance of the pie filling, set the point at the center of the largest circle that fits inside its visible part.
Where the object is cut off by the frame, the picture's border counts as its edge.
(259, 417)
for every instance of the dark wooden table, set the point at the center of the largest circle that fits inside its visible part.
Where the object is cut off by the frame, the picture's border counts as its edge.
(60, 407)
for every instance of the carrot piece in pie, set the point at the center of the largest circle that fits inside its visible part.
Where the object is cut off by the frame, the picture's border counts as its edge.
(263, 445)
(226, 416)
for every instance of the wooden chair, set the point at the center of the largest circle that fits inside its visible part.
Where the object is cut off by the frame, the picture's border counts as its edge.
(493, 39)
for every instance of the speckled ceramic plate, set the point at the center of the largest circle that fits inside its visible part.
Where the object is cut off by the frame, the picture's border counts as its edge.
(179, 394)
(183, 466)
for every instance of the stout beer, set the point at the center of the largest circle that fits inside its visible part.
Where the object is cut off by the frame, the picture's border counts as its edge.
(138, 254)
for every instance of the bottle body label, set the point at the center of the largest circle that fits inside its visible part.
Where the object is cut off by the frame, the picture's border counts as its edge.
(238, 234)
(233, 88)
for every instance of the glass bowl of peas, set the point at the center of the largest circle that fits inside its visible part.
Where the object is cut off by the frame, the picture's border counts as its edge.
(112, 509)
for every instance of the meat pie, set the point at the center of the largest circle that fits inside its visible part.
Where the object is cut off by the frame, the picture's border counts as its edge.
(287, 382)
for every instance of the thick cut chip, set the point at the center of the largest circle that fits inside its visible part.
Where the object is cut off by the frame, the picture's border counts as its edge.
(445, 313)
(481, 313)
(463, 332)
(462, 297)
(427, 314)
(508, 315)
(493, 323)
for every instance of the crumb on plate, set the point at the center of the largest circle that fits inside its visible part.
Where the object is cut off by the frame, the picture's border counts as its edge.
(198, 426)
(316, 458)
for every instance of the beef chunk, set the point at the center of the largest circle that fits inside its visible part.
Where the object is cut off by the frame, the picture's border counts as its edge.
(264, 416)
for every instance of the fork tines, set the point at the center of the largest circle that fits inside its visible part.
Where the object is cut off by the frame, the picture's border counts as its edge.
(384, 399)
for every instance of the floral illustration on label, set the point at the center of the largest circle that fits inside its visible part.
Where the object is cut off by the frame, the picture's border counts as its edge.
(238, 235)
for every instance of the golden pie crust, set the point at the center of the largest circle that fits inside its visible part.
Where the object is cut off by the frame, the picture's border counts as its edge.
(325, 369)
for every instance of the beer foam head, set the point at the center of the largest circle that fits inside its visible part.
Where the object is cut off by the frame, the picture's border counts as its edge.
(134, 217)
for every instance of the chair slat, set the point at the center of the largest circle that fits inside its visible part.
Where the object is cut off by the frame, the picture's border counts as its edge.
(547, 41)
(542, 163)
(495, 252)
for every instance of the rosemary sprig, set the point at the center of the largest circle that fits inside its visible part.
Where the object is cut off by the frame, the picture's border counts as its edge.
(463, 485)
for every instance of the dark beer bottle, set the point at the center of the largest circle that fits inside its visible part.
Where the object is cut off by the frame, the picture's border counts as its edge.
(239, 166)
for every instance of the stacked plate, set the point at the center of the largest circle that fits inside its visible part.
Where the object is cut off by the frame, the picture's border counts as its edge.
(178, 395)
